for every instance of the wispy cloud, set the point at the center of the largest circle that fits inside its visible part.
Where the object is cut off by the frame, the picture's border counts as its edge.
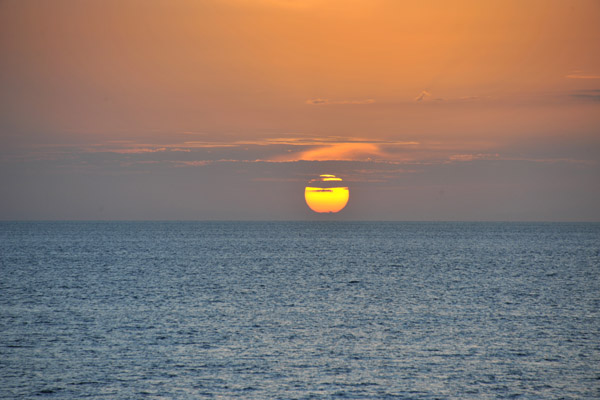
(500, 157)
(199, 163)
(424, 95)
(340, 151)
(208, 145)
(589, 95)
(284, 148)
(473, 157)
(581, 75)
(344, 149)
(132, 148)
(320, 102)
(307, 140)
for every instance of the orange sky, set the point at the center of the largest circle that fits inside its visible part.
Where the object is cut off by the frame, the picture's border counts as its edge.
(393, 85)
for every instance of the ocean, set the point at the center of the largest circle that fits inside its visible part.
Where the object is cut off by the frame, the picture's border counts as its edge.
(299, 310)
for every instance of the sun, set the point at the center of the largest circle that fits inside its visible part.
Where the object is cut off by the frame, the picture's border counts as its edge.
(325, 195)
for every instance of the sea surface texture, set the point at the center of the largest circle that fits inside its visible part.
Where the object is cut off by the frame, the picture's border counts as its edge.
(299, 310)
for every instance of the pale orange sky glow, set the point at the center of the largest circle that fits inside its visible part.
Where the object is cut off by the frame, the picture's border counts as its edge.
(496, 104)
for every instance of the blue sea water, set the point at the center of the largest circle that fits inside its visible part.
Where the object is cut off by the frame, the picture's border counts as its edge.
(299, 310)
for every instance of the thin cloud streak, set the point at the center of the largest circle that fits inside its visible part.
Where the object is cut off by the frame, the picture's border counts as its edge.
(582, 76)
(427, 97)
(499, 157)
(321, 102)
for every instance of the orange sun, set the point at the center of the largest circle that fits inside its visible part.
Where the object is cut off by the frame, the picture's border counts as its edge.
(325, 195)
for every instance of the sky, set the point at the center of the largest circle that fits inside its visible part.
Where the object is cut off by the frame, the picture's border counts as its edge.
(226, 109)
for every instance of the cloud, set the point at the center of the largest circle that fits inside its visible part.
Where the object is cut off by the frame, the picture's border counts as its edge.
(345, 149)
(208, 145)
(473, 157)
(338, 151)
(317, 190)
(423, 96)
(426, 97)
(140, 150)
(579, 75)
(307, 140)
(284, 148)
(313, 140)
(193, 163)
(318, 102)
(469, 98)
(589, 95)
(499, 157)
(132, 148)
